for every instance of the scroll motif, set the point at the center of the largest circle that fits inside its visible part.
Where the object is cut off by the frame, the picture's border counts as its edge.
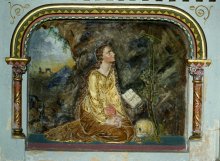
(202, 11)
(16, 10)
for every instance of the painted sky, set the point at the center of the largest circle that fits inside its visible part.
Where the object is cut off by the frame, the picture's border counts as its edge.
(47, 50)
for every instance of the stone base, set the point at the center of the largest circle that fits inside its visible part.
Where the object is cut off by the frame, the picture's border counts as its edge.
(18, 134)
(195, 136)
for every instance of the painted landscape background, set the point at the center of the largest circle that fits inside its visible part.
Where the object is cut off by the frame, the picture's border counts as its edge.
(150, 59)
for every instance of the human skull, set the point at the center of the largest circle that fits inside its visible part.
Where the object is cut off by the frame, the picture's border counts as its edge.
(144, 128)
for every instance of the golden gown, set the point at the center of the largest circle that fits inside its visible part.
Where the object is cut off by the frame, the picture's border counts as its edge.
(91, 125)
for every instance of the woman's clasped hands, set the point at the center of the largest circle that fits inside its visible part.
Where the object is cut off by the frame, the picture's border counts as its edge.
(112, 117)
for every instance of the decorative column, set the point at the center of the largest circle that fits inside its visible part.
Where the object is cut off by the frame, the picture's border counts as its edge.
(18, 68)
(197, 71)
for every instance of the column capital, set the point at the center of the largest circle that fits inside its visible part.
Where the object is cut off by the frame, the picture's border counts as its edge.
(196, 68)
(18, 66)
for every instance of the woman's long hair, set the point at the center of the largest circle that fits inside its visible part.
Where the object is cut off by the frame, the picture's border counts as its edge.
(98, 56)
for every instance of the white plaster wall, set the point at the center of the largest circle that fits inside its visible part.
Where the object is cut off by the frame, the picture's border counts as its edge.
(205, 150)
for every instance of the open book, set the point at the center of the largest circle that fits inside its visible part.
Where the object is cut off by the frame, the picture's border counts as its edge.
(132, 98)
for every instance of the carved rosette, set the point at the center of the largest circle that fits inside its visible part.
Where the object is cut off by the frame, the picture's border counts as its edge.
(197, 71)
(18, 68)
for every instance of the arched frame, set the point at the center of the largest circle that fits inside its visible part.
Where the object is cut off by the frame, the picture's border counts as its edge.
(196, 58)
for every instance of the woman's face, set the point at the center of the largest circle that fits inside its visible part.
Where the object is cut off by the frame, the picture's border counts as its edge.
(108, 55)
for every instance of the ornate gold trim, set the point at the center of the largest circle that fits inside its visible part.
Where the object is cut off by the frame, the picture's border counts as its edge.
(12, 60)
(204, 63)
(107, 12)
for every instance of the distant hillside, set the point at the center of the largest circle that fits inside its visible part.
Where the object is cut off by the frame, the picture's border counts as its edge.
(59, 78)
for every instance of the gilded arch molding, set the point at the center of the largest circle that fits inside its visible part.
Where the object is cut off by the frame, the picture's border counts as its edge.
(108, 11)
(197, 57)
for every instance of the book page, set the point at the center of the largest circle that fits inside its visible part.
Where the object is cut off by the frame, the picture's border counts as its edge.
(132, 98)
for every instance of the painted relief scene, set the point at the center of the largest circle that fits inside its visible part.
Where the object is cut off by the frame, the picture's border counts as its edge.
(107, 82)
